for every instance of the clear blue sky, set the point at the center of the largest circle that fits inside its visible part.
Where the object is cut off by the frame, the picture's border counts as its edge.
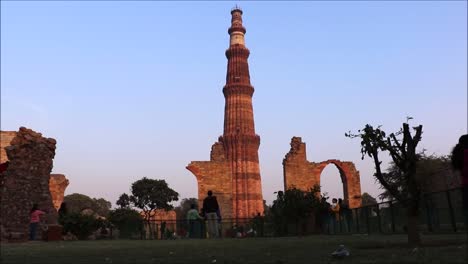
(134, 89)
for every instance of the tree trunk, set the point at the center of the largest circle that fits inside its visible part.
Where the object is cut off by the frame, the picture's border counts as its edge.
(414, 238)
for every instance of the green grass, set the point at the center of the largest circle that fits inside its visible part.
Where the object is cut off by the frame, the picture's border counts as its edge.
(311, 249)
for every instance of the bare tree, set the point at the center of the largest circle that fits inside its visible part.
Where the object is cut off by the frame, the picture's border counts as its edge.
(402, 185)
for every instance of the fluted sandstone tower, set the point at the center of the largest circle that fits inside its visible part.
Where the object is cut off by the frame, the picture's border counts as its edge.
(233, 172)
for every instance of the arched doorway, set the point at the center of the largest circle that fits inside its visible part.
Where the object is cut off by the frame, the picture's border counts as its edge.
(331, 182)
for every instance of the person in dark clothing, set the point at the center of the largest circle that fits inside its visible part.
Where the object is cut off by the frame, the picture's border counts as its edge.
(163, 230)
(345, 215)
(460, 163)
(63, 211)
(259, 222)
(325, 218)
(210, 210)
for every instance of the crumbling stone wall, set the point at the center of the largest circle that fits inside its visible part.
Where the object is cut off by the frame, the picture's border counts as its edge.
(58, 182)
(57, 185)
(26, 181)
(215, 175)
(299, 173)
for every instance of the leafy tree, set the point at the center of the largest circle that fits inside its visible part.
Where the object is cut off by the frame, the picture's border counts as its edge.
(433, 173)
(367, 199)
(77, 202)
(123, 201)
(184, 207)
(101, 206)
(149, 195)
(403, 185)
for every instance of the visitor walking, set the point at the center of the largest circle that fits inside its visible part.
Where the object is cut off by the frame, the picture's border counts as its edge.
(35, 215)
(194, 222)
(210, 209)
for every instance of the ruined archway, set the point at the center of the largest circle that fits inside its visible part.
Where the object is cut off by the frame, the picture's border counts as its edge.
(299, 173)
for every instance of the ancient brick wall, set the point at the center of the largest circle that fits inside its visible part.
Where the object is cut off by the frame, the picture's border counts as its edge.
(58, 182)
(26, 181)
(215, 175)
(299, 173)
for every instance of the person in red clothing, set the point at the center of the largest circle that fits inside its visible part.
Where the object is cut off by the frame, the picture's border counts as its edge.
(35, 215)
(460, 163)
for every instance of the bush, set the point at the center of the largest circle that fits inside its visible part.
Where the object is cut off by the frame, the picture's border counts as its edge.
(80, 225)
(128, 221)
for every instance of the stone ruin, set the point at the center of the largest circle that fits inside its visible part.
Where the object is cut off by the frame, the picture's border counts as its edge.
(26, 180)
(301, 174)
(57, 185)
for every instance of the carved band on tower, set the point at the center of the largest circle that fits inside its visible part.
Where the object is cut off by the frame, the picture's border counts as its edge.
(233, 172)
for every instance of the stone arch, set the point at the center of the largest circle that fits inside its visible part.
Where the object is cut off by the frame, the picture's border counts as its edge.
(299, 173)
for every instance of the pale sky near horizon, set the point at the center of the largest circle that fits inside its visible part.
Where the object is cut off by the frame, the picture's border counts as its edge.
(134, 89)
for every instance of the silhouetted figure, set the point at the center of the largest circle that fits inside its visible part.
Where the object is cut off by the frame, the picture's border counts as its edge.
(258, 224)
(35, 215)
(210, 210)
(335, 210)
(163, 230)
(63, 211)
(460, 163)
(345, 215)
(324, 214)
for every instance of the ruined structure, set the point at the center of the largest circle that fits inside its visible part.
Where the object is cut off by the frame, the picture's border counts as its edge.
(58, 182)
(5, 139)
(302, 174)
(233, 172)
(57, 185)
(26, 181)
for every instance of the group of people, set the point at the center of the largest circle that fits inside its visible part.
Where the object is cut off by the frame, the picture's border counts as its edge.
(335, 216)
(210, 212)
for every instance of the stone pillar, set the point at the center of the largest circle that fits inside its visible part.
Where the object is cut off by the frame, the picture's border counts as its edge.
(57, 185)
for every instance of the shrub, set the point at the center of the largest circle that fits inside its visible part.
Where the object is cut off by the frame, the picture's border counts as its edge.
(81, 225)
(128, 221)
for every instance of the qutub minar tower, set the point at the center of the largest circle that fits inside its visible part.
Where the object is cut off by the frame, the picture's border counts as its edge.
(233, 172)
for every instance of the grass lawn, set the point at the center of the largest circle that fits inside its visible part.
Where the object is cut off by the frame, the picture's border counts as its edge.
(311, 249)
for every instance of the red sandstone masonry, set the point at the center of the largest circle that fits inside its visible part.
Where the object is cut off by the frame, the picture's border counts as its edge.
(302, 174)
(233, 172)
(26, 181)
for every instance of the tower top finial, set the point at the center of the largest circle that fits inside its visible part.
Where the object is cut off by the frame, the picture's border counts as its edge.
(236, 9)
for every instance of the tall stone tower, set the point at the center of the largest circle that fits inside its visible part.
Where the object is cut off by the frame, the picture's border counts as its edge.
(233, 172)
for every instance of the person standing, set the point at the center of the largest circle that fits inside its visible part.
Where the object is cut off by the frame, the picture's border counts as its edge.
(35, 215)
(210, 209)
(324, 212)
(460, 163)
(345, 215)
(194, 219)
